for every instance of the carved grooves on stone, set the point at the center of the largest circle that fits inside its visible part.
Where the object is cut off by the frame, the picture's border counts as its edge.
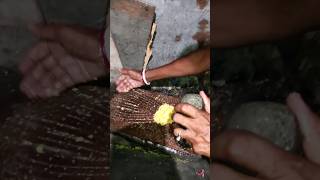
(64, 137)
(132, 114)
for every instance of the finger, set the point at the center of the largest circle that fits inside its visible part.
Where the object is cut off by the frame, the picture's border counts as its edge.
(125, 85)
(120, 87)
(218, 171)
(309, 124)
(120, 79)
(306, 118)
(206, 101)
(72, 67)
(33, 56)
(124, 71)
(67, 81)
(29, 86)
(131, 84)
(47, 83)
(71, 37)
(185, 134)
(182, 120)
(131, 73)
(187, 109)
(38, 71)
(253, 153)
(135, 75)
(62, 79)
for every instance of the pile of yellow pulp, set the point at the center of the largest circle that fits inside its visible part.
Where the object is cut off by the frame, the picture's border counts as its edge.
(164, 114)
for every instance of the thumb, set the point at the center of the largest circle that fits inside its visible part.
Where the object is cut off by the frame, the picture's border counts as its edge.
(48, 32)
(135, 75)
(309, 124)
(206, 101)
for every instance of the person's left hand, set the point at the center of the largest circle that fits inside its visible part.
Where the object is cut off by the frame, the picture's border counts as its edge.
(65, 56)
(197, 124)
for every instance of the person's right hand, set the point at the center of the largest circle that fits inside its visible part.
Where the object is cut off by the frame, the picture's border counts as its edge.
(129, 79)
(265, 159)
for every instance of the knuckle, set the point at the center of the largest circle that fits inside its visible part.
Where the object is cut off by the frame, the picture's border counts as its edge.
(184, 107)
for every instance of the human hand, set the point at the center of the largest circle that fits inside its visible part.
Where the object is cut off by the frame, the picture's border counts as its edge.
(264, 158)
(65, 56)
(129, 79)
(197, 124)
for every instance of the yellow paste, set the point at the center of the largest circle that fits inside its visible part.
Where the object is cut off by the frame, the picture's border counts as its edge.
(164, 114)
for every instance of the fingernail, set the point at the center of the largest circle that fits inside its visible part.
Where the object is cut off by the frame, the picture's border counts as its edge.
(174, 117)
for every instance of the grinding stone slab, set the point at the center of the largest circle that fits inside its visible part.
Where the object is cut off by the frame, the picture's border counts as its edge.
(272, 121)
(81, 12)
(130, 26)
(132, 114)
(65, 137)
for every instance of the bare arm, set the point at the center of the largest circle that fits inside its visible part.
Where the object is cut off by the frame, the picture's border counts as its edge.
(192, 64)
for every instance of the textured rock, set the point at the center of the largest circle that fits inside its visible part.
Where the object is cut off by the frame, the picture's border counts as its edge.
(270, 120)
(193, 99)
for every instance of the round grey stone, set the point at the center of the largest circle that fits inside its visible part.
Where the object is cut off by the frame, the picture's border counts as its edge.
(193, 99)
(272, 121)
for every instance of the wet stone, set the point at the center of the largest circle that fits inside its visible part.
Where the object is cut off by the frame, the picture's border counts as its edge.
(272, 121)
(193, 99)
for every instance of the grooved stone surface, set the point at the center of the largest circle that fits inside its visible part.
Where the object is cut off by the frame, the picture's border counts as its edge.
(64, 137)
(132, 114)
